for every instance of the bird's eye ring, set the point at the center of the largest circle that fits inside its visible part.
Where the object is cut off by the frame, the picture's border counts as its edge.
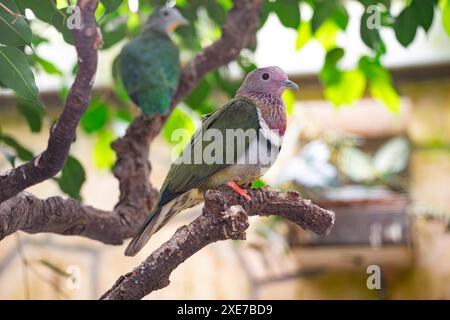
(265, 76)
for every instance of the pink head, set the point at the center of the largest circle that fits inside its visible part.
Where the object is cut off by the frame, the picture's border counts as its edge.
(269, 80)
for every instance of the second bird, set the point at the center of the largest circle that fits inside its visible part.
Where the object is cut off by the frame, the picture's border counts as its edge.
(149, 65)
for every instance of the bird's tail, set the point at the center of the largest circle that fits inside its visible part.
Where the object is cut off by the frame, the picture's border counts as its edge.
(159, 217)
(148, 228)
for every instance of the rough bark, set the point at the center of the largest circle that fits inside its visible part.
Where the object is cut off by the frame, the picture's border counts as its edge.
(87, 40)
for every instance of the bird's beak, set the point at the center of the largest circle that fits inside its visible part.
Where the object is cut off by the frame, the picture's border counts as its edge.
(289, 84)
(182, 21)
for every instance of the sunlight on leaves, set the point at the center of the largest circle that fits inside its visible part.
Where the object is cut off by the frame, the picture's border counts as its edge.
(104, 155)
(327, 33)
(445, 8)
(348, 89)
(304, 34)
(179, 119)
(289, 101)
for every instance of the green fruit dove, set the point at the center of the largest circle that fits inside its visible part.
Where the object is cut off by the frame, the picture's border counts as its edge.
(149, 65)
(235, 145)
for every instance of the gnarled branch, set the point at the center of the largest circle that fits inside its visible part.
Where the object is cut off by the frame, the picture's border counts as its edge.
(224, 217)
(87, 40)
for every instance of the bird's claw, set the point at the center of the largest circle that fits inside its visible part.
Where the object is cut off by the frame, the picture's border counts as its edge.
(240, 191)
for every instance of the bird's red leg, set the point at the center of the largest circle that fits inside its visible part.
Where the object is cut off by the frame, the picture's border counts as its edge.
(236, 188)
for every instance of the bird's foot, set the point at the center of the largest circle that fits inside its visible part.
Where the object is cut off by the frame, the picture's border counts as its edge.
(241, 192)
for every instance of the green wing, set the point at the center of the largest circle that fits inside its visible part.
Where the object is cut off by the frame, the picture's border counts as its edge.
(150, 71)
(238, 113)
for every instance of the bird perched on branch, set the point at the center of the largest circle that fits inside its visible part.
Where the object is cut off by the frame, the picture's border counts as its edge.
(235, 145)
(149, 65)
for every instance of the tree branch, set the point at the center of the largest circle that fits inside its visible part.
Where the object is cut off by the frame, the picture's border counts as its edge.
(87, 40)
(224, 217)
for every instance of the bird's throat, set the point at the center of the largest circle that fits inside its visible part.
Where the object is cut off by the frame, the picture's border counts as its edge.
(271, 107)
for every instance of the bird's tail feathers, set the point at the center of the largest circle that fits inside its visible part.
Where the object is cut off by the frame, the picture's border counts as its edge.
(149, 227)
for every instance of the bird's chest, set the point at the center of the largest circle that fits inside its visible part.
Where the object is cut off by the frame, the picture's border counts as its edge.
(249, 166)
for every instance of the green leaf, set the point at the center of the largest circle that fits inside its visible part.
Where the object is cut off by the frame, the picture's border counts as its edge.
(289, 101)
(196, 100)
(258, 184)
(111, 5)
(266, 9)
(330, 73)
(104, 155)
(21, 152)
(43, 9)
(216, 12)
(424, 11)
(445, 8)
(95, 117)
(304, 34)
(348, 89)
(380, 83)
(322, 11)
(32, 112)
(47, 11)
(327, 33)
(59, 20)
(113, 29)
(405, 26)
(47, 66)
(179, 119)
(72, 178)
(16, 74)
(124, 115)
(14, 30)
(385, 92)
(288, 12)
(370, 35)
(340, 16)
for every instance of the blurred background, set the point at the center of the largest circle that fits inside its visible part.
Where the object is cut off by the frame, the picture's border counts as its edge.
(368, 137)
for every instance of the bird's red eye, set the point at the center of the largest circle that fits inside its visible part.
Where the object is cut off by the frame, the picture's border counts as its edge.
(265, 76)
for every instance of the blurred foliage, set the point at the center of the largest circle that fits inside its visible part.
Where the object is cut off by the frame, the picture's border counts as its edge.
(72, 178)
(20, 59)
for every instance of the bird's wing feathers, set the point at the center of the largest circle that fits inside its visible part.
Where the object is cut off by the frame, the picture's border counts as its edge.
(239, 113)
(150, 70)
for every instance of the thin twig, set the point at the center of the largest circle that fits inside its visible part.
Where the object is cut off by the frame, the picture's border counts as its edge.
(26, 279)
(15, 15)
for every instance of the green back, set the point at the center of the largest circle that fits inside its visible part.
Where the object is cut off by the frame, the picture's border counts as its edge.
(150, 69)
(238, 113)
